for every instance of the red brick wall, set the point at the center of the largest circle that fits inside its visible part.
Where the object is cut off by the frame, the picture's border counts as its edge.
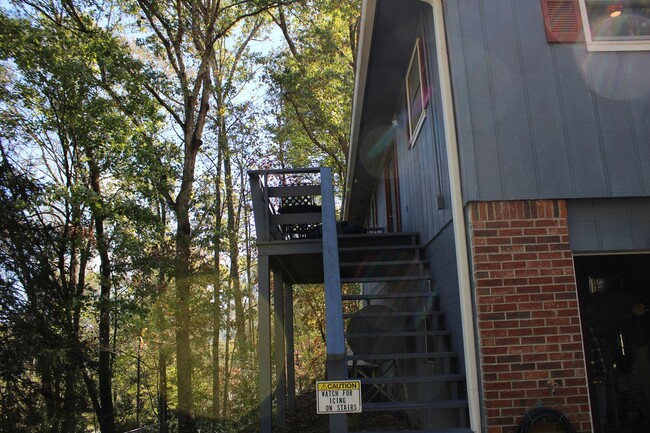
(528, 319)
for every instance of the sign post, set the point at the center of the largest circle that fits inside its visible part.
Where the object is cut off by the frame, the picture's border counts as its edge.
(338, 396)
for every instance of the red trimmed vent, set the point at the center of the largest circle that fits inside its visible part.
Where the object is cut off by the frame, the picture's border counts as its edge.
(562, 20)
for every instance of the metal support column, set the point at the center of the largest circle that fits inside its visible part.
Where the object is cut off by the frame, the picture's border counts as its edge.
(280, 372)
(288, 331)
(264, 344)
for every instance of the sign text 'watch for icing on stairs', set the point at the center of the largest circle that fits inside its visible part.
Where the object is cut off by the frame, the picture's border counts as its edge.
(341, 396)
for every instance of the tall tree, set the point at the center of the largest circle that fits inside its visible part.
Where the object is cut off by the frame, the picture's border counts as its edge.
(227, 74)
(102, 245)
(49, 89)
(61, 108)
(312, 79)
(183, 38)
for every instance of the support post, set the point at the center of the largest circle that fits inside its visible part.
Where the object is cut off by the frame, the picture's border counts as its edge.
(291, 364)
(264, 344)
(337, 370)
(280, 372)
(260, 206)
(336, 361)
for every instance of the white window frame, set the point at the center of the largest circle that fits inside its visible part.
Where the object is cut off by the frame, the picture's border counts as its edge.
(415, 62)
(613, 45)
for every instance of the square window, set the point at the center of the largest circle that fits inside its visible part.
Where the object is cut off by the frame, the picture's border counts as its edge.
(616, 25)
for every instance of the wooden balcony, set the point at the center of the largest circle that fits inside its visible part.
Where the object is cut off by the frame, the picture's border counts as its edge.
(296, 237)
(288, 212)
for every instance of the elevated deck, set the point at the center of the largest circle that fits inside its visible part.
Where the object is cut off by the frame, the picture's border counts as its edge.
(362, 257)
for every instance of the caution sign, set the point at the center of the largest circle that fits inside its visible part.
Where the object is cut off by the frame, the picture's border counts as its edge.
(338, 397)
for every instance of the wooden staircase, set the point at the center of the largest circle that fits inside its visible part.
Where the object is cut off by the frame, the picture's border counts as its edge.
(399, 347)
(392, 336)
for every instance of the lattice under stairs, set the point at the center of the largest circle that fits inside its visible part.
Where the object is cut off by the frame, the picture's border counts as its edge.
(398, 346)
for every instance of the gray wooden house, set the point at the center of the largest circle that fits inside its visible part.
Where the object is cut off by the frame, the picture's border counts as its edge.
(500, 166)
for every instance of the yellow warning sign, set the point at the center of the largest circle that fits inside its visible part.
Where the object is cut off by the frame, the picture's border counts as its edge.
(338, 397)
(329, 386)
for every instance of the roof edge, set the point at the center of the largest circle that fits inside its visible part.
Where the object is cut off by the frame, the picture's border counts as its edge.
(368, 9)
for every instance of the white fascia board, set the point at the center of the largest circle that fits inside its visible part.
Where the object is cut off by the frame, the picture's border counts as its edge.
(368, 8)
(458, 215)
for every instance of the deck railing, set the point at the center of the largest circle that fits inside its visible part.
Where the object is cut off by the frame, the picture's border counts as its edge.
(296, 204)
(286, 203)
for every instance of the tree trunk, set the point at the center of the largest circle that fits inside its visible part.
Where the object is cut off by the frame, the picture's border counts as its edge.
(249, 267)
(70, 401)
(161, 328)
(233, 247)
(186, 422)
(226, 370)
(216, 284)
(162, 392)
(106, 415)
(79, 256)
(182, 277)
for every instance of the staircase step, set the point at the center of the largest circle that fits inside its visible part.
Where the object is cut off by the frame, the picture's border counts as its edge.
(383, 334)
(442, 430)
(371, 297)
(384, 263)
(406, 405)
(378, 270)
(379, 278)
(386, 268)
(373, 253)
(406, 355)
(367, 247)
(431, 378)
(386, 258)
(378, 239)
(394, 314)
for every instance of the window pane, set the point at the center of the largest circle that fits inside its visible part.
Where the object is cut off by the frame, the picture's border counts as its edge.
(414, 79)
(611, 20)
(416, 108)
(414, 89)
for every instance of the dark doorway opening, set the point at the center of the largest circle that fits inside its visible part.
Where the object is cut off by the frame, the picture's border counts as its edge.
(391, 186)
(614, 293)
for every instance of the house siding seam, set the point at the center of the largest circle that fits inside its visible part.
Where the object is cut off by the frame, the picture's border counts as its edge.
(530, 340)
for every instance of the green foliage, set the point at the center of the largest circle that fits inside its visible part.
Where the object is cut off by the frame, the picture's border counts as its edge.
(90, 88)
(312, 80)
(65, 117)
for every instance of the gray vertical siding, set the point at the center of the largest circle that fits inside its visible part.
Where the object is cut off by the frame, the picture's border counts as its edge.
(442, 258)
(609, 225)
(544, 120)
(423, 167)
(533, 119)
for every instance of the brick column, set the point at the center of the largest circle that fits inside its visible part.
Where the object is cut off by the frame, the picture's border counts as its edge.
(528, 319)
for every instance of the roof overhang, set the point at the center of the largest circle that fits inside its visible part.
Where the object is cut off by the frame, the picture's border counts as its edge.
(386, 36)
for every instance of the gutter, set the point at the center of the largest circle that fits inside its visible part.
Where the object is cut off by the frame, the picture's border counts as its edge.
(458, 215)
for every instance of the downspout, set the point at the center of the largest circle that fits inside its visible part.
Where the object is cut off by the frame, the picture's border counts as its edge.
(458, 215)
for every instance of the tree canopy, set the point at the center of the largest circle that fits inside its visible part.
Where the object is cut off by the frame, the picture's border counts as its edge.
(127, 262)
